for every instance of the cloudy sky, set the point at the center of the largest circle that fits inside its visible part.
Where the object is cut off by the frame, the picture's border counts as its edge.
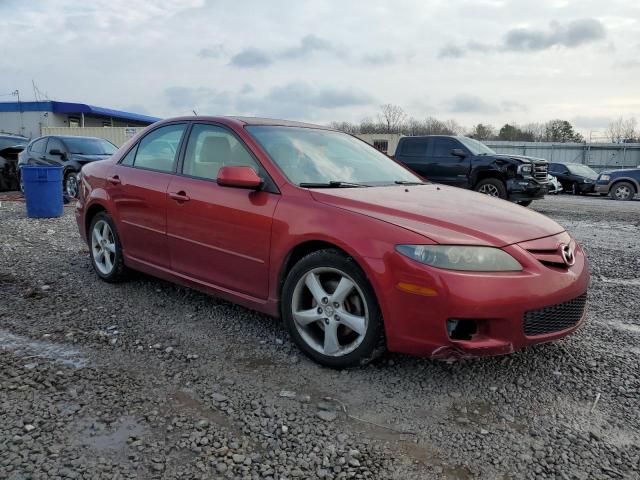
(489, 61)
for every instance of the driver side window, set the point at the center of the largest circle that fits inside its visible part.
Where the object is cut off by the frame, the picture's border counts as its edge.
(210, 148)
(442, 147)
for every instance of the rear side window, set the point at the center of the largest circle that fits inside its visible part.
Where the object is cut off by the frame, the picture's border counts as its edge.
(159, 149)
(55, 144)
(415, 147)
(39, 145)
(210, 148)
(129, 157)
(442, 147)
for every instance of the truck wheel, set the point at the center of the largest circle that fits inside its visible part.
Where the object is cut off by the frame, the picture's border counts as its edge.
(492, 187)
(622, 191)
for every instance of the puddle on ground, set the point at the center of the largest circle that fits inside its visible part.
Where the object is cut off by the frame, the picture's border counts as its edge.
(620, 281)
(28, 347)
(628, 327)
(98, 437)
(185, 400)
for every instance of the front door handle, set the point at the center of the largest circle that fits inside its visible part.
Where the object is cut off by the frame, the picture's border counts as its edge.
(180, 196)
(115, 180)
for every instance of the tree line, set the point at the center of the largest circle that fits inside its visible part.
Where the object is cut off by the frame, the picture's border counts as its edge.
(393, 119)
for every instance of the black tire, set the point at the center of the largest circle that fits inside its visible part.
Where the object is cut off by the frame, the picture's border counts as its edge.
(119, 272)
(525, 203)
(71, 184)
(624, 191)
(373, 342)
(575, 189)
(493, 185)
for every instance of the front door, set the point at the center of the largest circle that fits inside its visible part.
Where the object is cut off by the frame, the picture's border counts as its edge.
(138, 187)
(447, 168)
(219, 235)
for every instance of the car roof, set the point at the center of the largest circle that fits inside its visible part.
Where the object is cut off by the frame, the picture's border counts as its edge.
(11, 135)
(242, 121)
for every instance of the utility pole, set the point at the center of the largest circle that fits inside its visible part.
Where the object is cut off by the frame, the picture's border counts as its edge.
(16, 93)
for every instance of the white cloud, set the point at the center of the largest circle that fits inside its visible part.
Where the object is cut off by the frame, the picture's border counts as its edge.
(329, 60)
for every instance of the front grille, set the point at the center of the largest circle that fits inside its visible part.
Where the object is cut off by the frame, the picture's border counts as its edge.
(540, 171)
(554, 318)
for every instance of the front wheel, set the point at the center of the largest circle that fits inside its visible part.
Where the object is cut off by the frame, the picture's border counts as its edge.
(575, 189)
(331, 311)
(492, 187)
(105, 249)
(622, 191)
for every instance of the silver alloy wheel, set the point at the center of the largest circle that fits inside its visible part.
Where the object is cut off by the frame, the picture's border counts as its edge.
(622, 192)
(489, 189)
(103, 247)
(329, 311)
(71, 185)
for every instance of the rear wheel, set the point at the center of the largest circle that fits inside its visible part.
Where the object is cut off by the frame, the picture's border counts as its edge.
(71, 184)
(331, 311)
(492, 187)
(622, 191)
(105, 249)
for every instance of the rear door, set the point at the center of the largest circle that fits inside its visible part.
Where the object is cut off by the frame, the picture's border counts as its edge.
(138, 187)
(220, 235)
(448, 168)
(413, 153)
(36, 152)
(52, 159)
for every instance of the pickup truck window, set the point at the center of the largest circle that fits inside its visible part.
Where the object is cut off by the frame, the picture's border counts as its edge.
(414, 147)
(476, 147)
(443, 146)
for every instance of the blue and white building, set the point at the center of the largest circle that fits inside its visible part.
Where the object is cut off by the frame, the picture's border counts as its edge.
(29, 118)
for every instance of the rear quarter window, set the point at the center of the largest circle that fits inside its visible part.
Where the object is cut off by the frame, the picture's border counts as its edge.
(414, 147)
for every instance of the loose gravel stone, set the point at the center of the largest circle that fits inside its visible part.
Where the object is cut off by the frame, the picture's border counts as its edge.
(194, 387)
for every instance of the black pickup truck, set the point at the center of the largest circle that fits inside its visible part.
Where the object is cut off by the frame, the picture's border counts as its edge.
(465, 162)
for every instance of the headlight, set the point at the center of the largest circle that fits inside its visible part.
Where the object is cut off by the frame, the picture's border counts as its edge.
(457, 257)
(604, 177)
(525, 169)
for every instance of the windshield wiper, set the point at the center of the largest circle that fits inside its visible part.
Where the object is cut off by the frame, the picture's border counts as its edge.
(408, 182)
(332, 184)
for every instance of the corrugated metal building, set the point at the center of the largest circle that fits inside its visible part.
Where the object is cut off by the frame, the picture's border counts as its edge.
(29, 118)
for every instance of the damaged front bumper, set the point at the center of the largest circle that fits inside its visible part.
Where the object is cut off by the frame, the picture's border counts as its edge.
(523, 189)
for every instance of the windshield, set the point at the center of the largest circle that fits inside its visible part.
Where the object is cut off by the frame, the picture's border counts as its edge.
(6, 142)
(90, 146)
(314, 156)
(582, 170)
(476, 147)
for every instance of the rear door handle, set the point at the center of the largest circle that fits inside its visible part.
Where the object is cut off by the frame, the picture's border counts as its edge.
(180, 196)
(115, 180)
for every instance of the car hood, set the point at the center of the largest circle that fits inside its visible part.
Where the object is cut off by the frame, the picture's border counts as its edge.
(520, 158)
(446, 215)
(88, 158)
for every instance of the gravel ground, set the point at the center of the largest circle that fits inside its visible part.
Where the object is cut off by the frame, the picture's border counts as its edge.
(151, 380)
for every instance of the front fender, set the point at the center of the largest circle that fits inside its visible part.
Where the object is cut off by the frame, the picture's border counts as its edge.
(316, 221)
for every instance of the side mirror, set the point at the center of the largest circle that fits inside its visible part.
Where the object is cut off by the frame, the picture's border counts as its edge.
(239, 177)
(458, 152)
(55, 151)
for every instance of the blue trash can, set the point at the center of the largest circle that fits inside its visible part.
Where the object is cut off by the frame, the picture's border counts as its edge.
(42, 190)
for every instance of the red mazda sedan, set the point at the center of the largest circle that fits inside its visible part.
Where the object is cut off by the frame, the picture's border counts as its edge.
(352, 250)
